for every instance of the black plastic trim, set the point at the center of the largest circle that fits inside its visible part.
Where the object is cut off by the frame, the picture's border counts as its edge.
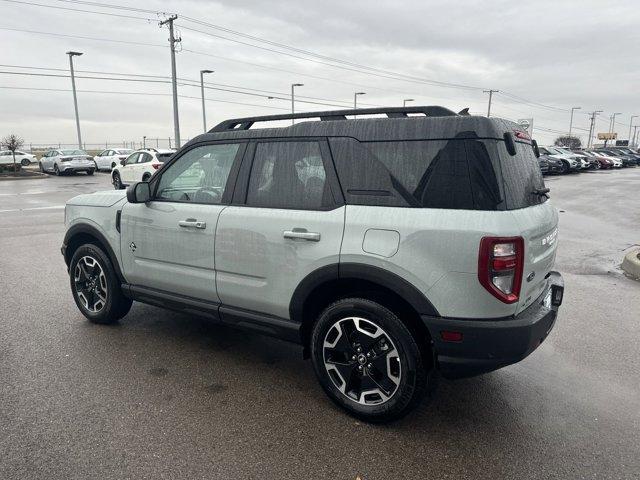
(90, 230)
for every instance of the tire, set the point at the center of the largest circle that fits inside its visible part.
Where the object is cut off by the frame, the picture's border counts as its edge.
(56, 170)
(146, 177)
(565, 167)
(117, 182)
(41, 167)
(377, 388)
(24, 162)
(90, 172)
(96, 287)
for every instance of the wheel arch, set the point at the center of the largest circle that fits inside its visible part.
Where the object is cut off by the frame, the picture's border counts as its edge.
(80, 234)
(334, 282)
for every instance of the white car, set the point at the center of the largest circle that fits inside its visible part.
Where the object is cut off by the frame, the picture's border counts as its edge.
(24, 159)
(67, 161)
(108, 159)
(139, 166)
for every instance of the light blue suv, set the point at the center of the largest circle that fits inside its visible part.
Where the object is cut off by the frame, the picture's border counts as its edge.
(389, 248)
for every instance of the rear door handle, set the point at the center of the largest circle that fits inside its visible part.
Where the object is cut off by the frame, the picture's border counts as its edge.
(192, 223)
(301, 234)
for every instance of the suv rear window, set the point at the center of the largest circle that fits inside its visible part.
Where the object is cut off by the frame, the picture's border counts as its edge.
(163, 157)
(461, 173)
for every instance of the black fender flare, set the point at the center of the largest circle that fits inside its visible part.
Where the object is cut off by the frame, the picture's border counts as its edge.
(359, 271)
(83, 228)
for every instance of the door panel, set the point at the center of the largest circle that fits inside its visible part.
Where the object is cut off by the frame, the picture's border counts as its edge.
(258, 268)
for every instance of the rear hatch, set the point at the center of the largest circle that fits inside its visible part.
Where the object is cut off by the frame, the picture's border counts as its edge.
(534, 214)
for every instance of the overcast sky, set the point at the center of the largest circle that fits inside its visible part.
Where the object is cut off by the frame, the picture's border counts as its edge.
(555, 54)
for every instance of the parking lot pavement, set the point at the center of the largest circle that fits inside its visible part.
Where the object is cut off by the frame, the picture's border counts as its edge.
(164, 395)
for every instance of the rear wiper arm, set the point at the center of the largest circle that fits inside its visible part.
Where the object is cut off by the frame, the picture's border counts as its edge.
(541, 191)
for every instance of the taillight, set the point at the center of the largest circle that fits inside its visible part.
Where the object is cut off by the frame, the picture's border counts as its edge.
(156, 165)
(500, 265)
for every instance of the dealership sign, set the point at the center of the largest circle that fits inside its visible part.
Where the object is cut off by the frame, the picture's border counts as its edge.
(607, 136)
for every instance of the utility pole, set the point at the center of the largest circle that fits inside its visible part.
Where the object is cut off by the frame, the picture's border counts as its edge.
(75, 98)
(592, 126)
(355, 99)
(404, 102)
(293, 86)
(630, 127)
(172, 45)
(490, 92)
(573, 109)
(612, 125)
(635, 135)
(204, 115)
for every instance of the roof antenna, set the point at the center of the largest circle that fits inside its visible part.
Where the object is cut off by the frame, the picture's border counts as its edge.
(464, 111)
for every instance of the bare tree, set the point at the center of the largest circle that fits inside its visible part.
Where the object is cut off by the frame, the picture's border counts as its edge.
(568, 141)
(13, 142)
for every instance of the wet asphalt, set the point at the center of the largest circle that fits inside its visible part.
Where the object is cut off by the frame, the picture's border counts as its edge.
(165, 395)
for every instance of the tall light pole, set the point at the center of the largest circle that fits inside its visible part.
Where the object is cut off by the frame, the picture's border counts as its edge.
(573, 109)
(592, 126)
(631, 126)
(635, 135)
(172, 45)
(355, 98)
(293, 86)
(204, 114)
(75, 98)
(404, 102)
(490, 92)
(612, 125)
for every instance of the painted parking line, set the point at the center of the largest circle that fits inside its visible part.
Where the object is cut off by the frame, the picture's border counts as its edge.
(54, 207)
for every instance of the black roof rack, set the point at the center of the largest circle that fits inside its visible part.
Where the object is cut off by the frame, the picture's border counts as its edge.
(391, 112)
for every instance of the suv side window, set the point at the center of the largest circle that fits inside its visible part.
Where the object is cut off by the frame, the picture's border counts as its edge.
(144, 158)
(198, 176)
(131, 159)
(288, 175)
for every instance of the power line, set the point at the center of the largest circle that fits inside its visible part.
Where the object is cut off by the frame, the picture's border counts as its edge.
(79, 10)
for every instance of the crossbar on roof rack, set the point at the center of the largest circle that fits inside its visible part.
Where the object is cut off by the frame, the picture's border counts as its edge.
(391, 112)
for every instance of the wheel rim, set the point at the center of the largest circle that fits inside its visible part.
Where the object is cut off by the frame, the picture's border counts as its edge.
(116, 180)
(361, 361)
(91, 284)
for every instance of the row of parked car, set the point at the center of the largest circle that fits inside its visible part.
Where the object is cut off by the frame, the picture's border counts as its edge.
(562, 160)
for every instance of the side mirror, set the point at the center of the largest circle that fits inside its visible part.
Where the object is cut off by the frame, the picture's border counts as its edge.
(139, 193)
(122, 162)
(536, 150)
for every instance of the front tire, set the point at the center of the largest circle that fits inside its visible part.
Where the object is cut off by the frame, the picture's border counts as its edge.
(56, 170)
(96, 287)
(117, 182)
(367, 361)
(90, 172)
(24, 162)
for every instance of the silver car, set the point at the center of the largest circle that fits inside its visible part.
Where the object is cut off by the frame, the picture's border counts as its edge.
(67, 161)
(389, 248)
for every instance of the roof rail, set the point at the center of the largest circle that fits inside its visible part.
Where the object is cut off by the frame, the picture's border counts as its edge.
(391, 112)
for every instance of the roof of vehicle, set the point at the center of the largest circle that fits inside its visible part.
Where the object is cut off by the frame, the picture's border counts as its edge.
(156, 150)
(401, 123)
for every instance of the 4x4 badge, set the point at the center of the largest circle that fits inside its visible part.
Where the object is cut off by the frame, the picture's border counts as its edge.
(132, 246)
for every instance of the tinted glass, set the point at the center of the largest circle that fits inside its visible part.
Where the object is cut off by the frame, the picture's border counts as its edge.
(163, 157)
(288, 175)
(521, 176)
(457, 173)
(198, 176)
(73, 152)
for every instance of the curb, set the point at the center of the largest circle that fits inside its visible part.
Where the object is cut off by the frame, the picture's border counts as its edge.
(26, 177)
(631, 264)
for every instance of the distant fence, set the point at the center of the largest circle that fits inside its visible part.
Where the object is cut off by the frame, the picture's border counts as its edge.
(157, 142)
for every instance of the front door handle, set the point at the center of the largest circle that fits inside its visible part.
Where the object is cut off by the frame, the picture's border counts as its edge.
(192, 223)
(301, 234)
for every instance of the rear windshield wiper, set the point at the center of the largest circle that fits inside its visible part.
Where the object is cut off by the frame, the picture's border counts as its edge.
(541, 191)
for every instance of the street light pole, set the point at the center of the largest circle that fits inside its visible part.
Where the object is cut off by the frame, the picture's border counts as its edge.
(355, 99)
(635, 135)
(172, 45)
(204, 114)
(573, 109)
(592, 126)
(613, 122)
(75, 98)
(631, 126)
(293, 86)
(490, 92)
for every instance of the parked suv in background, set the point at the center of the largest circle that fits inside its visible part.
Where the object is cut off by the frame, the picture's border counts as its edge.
(569, 162)
(139, 166)
(390, 248)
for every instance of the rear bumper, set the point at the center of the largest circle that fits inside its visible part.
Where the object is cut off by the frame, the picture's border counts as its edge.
(77, 168)
(489, 344)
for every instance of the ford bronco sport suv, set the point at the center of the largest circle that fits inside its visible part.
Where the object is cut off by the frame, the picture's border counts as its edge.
(388, 247)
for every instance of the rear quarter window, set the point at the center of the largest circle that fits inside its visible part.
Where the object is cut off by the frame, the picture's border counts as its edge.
(521, 176)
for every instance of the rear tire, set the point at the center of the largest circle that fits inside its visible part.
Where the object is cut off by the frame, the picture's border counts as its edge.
(24, 162)
(95, 286)
(367, 361)
(90, 172)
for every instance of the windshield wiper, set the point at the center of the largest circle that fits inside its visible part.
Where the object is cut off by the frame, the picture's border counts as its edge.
(541, 191)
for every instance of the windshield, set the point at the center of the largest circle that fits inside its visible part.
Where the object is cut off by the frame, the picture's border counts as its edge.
(73, 152)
